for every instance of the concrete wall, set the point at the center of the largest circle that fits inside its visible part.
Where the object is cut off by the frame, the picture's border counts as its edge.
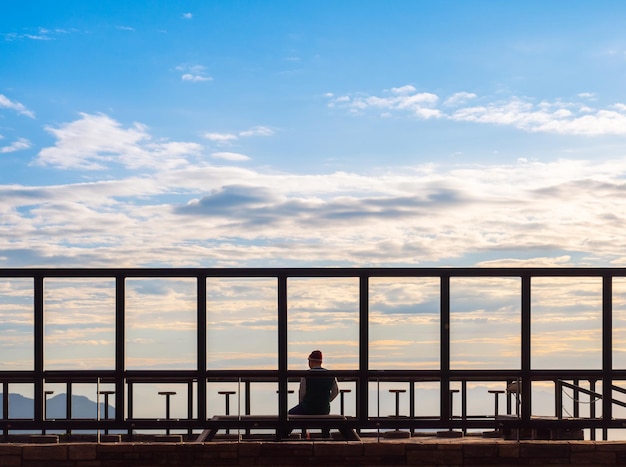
(300, 453)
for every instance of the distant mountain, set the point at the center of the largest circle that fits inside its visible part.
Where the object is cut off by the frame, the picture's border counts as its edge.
(82, 407)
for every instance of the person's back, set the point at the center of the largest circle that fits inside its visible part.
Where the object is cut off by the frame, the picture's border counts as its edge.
(318, 394)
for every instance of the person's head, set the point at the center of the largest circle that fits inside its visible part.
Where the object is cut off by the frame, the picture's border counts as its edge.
(315, 359)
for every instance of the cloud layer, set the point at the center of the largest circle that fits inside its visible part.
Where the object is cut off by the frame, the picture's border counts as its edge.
(174, 206)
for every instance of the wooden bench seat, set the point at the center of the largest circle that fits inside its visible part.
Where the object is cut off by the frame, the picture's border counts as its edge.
(271, 421)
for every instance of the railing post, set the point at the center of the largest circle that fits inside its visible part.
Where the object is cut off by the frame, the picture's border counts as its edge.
(362, 386)
(5, 408)
(524, 393)
(282, 354)
(68, 404)
(120, 350)
(444, 350)
(607, 351)
(201, 332)
(558, 399)
(39, 348)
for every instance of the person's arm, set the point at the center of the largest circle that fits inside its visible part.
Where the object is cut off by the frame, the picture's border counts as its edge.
(302, 390)
(334, 390)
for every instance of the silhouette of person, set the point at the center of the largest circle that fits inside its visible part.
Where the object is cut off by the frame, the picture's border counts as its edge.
(316, 392)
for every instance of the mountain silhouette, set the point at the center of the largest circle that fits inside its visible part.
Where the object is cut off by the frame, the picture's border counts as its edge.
(82, 407)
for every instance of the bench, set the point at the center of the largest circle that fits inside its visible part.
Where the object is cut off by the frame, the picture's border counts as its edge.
(271, 421)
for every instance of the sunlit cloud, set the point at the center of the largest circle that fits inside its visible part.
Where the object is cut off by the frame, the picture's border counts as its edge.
(423, 214)
(95, 141)
(230, 156)
(558, 117)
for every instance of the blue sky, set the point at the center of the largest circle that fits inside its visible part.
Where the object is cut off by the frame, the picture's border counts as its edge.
(312, 133)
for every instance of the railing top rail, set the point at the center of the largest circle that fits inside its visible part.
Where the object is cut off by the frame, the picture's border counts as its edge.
(316, 272)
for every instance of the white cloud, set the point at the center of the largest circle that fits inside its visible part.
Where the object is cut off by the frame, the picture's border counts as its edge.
(420, 104)
(229, 137)
(230, 156)
(194, 73)
(459, 98)
(195, 78)
(42, 34)
(220, 137)
(187, 15)
(20, 144)
(6, 103)
(257, 131)
(95, 141)
(407, 89)
(558, 117)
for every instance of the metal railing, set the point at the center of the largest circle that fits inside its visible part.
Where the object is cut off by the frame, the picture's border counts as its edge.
(196, 380)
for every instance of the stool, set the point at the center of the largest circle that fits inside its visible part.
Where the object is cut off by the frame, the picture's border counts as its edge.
(397, 392)
(451, 433)
(397, 433)
(341, 395)
(289, 391)
(45, 407)
(167, 395)
(227, 395)
(496, 394)
(106, 406)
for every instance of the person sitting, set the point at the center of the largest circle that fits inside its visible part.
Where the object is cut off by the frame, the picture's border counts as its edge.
(316, 392)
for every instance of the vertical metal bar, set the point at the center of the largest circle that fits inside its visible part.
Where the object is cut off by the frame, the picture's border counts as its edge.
(120, 346)
(558, 399)
(576, 413)
(39, 348)
(526, 383)
(362, 392)
(68, 403)
(5, 408)
(130, 399)
(592, 408)
(189, 404)
(5, 400)
(445, 411)
(607, 350)
(201, 343)
(464, 402)
(412, 401)
(247, 402)
(282, 348)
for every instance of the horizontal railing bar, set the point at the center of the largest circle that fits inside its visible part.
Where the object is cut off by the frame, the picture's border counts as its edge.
(310, 272)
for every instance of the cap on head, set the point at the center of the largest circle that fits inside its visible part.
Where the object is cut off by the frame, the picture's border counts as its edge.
(316, 355)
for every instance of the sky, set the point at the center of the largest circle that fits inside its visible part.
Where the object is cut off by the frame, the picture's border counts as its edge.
(300, 133)
(276, 133)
